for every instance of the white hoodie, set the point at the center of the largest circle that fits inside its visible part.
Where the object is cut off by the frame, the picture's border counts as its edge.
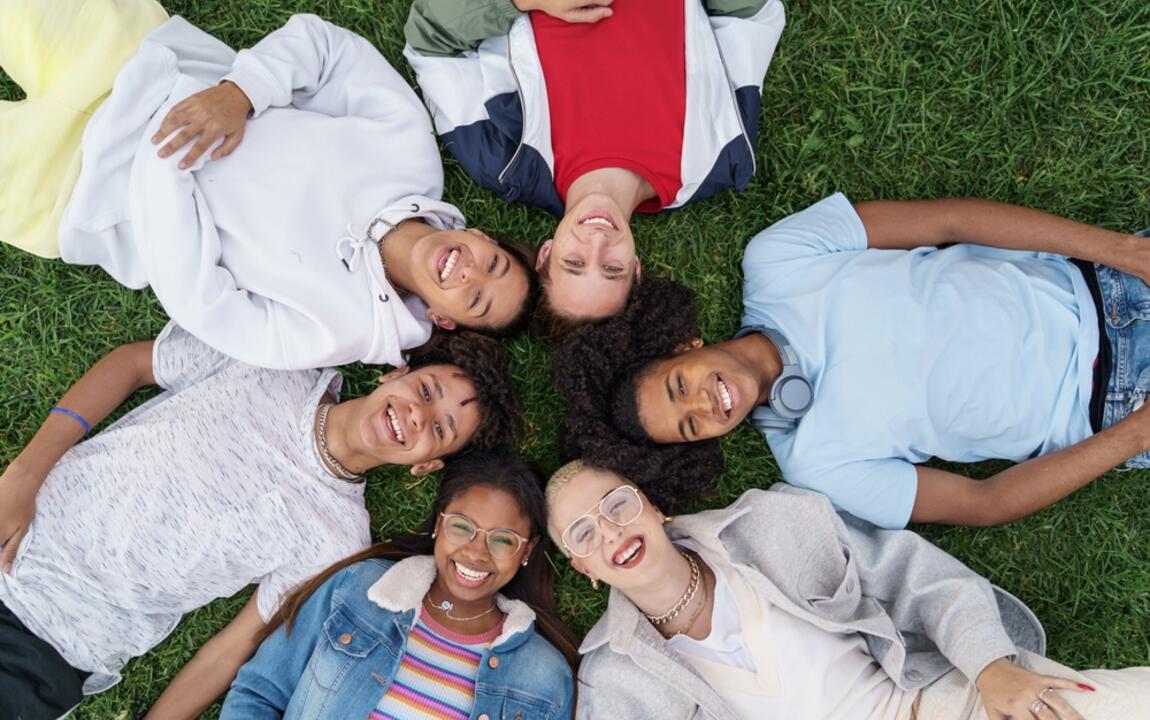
(265, 255)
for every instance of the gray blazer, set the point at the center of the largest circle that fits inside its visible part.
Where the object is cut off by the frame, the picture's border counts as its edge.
(920, 611)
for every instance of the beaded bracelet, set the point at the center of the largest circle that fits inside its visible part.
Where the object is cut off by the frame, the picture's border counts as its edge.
(75, 416)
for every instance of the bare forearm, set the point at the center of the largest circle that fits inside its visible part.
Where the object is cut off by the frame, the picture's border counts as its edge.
(94, 396)
(213, 668)
(1029, 486)
(907, 224)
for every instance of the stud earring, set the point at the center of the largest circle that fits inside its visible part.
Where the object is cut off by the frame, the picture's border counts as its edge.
(594, 584)
(434, 533)
(668, 518)
(524, 563)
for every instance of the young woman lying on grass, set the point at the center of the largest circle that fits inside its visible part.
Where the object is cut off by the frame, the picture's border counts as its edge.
(778, 607)
(454, 620)
(594, 110)
(318, 240)
(233, 475)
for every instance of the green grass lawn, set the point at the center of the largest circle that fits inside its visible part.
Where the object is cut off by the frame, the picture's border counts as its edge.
(1042, 104)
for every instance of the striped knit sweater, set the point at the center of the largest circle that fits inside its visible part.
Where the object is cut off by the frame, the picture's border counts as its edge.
(436, 678)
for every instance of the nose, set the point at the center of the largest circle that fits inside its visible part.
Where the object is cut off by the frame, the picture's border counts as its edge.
(417, 415)
(610, 530)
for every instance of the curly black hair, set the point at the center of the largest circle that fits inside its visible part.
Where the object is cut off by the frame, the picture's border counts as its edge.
(484, 362)
(524, 257)
(596, 368)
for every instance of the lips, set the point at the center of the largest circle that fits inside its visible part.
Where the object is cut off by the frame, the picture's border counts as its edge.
(446, 262)
(630, 553)
(388, 425)
(727, 397)
(598, 218)
(468, 576)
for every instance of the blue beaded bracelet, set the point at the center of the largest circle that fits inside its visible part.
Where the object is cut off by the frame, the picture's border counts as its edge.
(75, 416)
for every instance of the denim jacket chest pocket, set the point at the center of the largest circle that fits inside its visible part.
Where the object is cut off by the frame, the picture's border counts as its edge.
(344, 643)
(513, 706)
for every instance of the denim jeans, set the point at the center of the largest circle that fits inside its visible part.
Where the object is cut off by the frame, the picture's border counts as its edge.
(1126, 310)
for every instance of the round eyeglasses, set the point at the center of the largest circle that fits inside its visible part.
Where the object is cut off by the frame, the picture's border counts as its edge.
(622, 506)
(460, 530)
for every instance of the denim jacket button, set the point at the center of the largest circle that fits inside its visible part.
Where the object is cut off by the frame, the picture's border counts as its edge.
(492, 662)
(483, 717)
(345, 639)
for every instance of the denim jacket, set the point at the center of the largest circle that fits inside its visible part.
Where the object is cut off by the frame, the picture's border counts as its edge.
(349, 637)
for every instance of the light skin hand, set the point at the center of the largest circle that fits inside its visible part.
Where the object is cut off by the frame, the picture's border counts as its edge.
(1009, 691)
(572, 11)
(207, 116)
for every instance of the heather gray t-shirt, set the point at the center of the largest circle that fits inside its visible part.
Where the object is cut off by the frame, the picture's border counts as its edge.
(209, 487)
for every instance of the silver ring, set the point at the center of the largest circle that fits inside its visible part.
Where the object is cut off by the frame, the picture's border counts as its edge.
(1037, 706)
(1044, 691)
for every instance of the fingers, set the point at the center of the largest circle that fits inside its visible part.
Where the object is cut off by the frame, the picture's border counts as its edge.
(181, 139)
(11, 546)
(588, 14)
(197, 150)
(230, 144)
(174, 119)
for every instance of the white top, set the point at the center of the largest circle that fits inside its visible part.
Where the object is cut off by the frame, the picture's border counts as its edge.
(264, 254)
(796, 671)
(966, 353)
(211, 486)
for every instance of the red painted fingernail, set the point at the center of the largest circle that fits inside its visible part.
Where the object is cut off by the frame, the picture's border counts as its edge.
(1084, 686)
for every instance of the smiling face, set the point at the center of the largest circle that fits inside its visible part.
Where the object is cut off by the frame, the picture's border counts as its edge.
(415, 417)
(631, 555)
(699, 393)
(468, 572)
(467, 279)
(591, 262)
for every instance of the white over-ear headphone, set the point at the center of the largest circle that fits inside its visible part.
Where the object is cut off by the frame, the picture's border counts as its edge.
(791, 394)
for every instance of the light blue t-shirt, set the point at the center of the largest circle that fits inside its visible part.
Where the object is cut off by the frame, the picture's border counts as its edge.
(966, 353)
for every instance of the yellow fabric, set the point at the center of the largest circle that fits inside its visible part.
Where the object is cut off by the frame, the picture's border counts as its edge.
(65, 55)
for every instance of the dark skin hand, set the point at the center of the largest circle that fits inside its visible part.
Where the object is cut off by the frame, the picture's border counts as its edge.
(206, 117)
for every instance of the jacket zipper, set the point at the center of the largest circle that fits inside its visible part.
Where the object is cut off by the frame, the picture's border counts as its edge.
(522, 109)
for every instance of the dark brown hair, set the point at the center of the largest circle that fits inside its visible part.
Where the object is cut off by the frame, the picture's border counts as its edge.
(533, 584)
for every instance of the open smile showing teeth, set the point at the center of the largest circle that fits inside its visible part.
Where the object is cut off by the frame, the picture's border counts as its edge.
(724, 397)
(598, 220)
(449, 265)
(470, 574)
(628, 553)
(393, 420)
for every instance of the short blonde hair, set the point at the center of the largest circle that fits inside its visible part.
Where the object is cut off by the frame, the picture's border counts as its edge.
(555, 484)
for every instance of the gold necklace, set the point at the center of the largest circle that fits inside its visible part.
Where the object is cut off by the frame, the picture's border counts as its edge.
(334, 466)
(694, 613)
(687, 597)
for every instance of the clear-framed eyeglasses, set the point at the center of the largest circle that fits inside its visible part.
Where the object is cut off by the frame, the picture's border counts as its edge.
(622, 506)
(502, 543)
